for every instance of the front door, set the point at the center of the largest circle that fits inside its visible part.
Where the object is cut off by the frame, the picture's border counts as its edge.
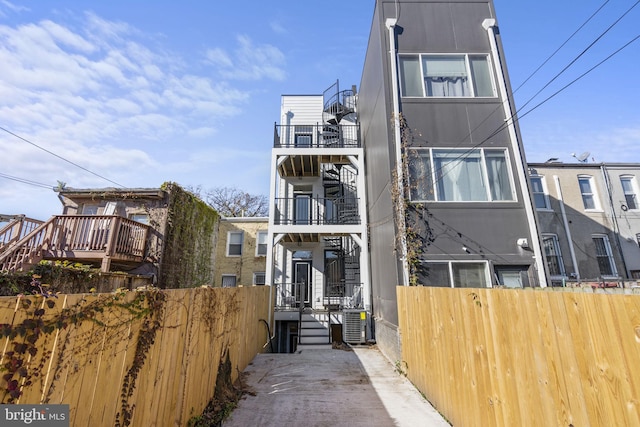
(302, 279)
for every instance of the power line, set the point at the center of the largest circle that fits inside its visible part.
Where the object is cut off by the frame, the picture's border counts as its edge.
(25, 181)
(60, 157)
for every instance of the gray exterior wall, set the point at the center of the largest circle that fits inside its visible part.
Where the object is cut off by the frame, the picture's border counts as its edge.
(489, 229)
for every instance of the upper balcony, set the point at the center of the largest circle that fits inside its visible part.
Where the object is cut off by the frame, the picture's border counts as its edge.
(317, 136)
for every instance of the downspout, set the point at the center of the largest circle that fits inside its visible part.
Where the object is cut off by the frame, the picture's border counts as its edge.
(565, 221)
(390, 23)
(490, 25)
(616, 228)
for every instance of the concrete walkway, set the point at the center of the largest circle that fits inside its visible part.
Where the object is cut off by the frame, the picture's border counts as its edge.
(330, 388)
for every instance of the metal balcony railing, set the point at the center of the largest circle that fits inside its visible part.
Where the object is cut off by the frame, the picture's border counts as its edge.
(289, 296)
(316, 211)
(316, 136)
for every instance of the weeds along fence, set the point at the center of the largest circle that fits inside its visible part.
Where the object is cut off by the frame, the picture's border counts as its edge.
(137, 358)
(497, 357)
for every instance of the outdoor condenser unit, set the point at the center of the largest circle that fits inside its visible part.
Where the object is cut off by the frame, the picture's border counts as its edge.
(354, 327)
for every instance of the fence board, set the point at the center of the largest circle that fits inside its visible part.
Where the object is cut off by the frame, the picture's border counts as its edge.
(521, 357)
(178, 373)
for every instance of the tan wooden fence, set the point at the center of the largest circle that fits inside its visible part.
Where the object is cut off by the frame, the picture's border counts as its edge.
(498, 357)
(141, 358)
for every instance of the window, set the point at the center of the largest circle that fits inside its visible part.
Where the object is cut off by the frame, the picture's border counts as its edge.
(259, 278)
(229, 281)
(303, 136)
(261, 243)
(459, 175)
(604, 256)
(456, 274)
(628, 187)
(234, 243)
(553, 255)
(586, 189)
(540, 197)
(141, 218)
(446, 76)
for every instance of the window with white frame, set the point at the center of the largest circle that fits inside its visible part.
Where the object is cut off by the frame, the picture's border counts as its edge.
(459, 175)
(553, 255)
(589, 198)
(539, 191)
(229, 281)
(629, 189)
(604, 256)
(259, 278)
(142, 218)
(456, 274)
(446, 75)
(234, 243)
(261, 243)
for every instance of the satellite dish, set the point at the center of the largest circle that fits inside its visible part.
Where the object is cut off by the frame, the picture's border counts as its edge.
(582, 157)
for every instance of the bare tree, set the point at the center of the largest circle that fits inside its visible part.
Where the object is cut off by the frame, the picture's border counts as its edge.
(232, 202)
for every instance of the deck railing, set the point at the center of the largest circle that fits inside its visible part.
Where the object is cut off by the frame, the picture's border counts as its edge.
(316, 136)
(316, 211)
(87, 237)
(289, 296)
(18, 227)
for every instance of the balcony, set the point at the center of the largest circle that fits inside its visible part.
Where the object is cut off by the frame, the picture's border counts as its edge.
(316, 136)
(99, 239)
(290, 296)
(307, 210)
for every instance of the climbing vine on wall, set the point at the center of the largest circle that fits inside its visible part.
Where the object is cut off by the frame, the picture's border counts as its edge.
(190, 240)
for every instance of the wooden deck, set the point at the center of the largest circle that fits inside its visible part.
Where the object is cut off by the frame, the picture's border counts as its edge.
(95, 239)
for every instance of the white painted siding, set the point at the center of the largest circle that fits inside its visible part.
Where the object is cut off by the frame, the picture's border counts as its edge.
(304, 109)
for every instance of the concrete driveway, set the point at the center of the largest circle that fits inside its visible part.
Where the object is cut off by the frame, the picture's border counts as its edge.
(330, 388)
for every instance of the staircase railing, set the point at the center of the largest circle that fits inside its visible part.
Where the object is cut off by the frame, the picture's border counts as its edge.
(17, 228)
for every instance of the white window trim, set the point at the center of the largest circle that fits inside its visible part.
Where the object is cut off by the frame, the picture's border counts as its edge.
(487, 187)
(634, 187)
(556, 243)
(256, 274)
(468, 70)
(594, 192)
(229, 233)
(258, 234)
(545, 190)
(229, 275)
(612, 260)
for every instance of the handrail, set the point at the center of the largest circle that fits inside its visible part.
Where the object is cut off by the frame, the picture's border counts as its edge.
(317, 211)
(17, 228)
(64, 235)
(317, 136)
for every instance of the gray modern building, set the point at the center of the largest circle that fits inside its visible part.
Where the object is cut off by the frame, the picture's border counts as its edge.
(448, 202)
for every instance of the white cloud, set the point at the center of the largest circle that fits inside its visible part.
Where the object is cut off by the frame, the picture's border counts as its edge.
(249, 61)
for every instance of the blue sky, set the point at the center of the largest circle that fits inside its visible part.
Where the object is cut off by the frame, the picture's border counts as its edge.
(141, 93)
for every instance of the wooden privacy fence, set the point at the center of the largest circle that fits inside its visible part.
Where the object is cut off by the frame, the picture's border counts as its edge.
(493, 357)
(138, 358)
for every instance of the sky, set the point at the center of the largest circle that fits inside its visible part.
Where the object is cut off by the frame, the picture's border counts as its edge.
(134, 94)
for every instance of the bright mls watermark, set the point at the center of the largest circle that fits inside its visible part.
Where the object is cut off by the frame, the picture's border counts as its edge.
(34, 415)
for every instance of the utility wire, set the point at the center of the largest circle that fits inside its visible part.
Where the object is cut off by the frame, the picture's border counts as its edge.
(26, 181)
(60, 157)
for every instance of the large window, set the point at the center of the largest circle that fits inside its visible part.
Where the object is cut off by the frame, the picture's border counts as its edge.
(604, 256)
(234, 243)
(456, 275)
(540, 197)
(553, 255)
(459, 175)
(589, 198)
(446, 76)
(629, 189)
(261, 243)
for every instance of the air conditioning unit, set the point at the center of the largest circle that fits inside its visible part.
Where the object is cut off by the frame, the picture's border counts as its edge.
(354, 327)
